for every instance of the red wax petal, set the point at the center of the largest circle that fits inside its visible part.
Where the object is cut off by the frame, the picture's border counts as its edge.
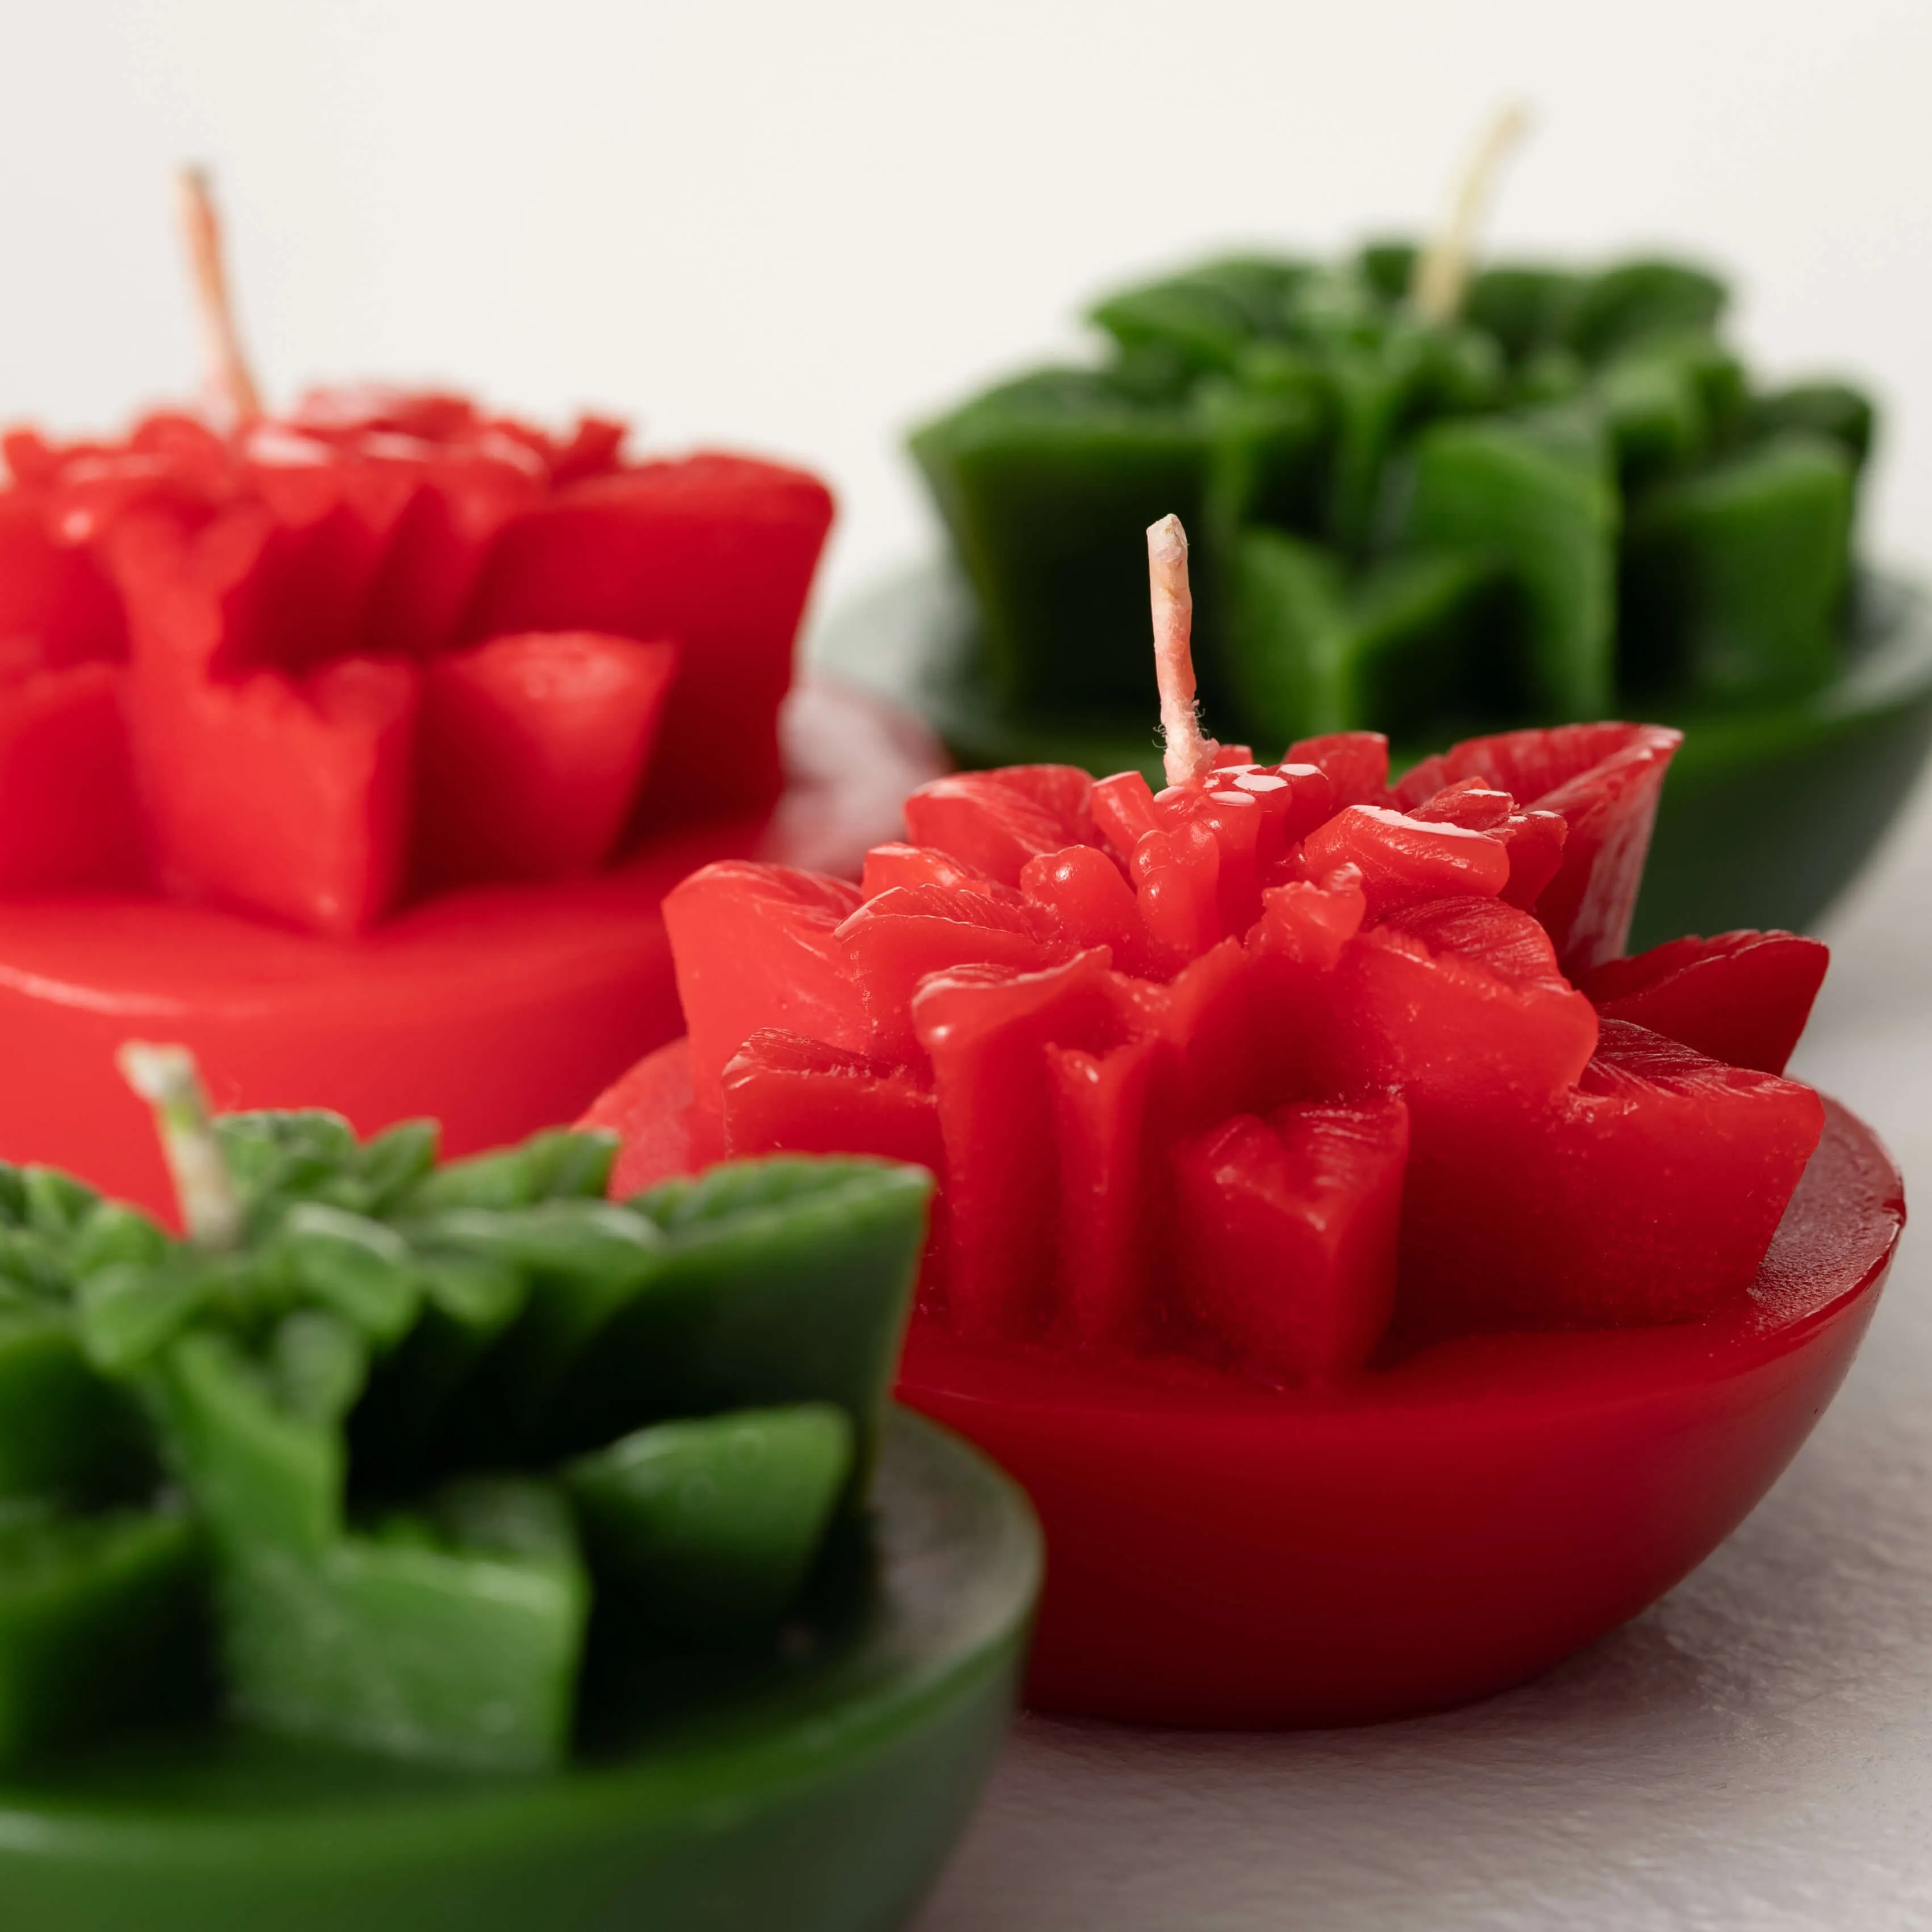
(895, 941)
(716, 552)
(1355, 762)
(286, 797)
(1089, 901)
(787, 1094)
(1100, 1108)
(531, 750)
(1649, 1194)
(902, 865)
(755, 948)
(986, 1028)
(67, 796)
(1402, 860)
(995, 827)
(1742, 997)
(1287, 1236)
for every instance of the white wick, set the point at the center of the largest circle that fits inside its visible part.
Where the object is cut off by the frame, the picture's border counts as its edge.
(1442, 270)
(167, 1078)
(232, 393)
(1189, 753)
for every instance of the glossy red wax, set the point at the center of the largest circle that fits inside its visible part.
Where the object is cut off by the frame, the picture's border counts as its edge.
(1224, 1553)
(497, 1009)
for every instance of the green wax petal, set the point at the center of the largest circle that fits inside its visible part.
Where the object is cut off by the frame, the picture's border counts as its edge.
(1268, 435)
(356, 1266)
(1735, 578)
(63, 1427)
(115, 1235)
(1047, 487)
(563, 1165)
(706, 1529)
(1526, 307)
(259, 1461)
(1621, 305)
(1835, 410)
(54, 1203)
(1537, 495)
(277, 1153)
(454, 1635)
(97, 1622)
(1201, 320)
(782, 1281)
(1396, 651)
(1388, 268)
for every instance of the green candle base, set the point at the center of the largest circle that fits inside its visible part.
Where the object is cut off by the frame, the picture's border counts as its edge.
(820, 1792)
(1769, 813)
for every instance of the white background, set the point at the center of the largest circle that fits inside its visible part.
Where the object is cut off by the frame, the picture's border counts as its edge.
(796, 225)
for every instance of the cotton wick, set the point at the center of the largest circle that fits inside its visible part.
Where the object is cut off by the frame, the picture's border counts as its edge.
(167, 1078)
(1190, 752)
(1442, 270)
(232, 394)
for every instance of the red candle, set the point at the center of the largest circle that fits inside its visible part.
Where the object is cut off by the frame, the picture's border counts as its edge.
(1381, 1285)
(347, 741)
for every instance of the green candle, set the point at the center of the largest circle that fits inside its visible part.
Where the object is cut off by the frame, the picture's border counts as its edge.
(398, 1429)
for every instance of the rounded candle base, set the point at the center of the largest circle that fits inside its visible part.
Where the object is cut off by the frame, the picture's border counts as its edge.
(1221, 1553)
(822, 1793)
(496, 1010)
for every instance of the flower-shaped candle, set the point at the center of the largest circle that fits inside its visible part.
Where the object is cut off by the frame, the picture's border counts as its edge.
(334, 741)
(1312, 1163)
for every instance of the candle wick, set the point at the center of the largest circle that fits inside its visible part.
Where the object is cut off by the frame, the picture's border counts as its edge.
(1442, 270)
(1190, 752)
(232, 392)
(167, 1078)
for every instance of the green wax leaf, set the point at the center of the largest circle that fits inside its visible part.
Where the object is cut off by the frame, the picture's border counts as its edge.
(275, 1154)
(55, 1204)
(1200, 320)
(1835, 410)
(1536, 494)
(1268, 436)
(1396, 650)
(115, 1235)
(1734, 578)
(12, 1195)
(1388, 268)
(452, 1636)
(64, 1428)
(352, 1264)
(583, 1262)
(706, 1529)
(1526, 307)
(783, 1280)
(1621, 305)
(128, 1312)
(562, 1165)
(97, 1622)
(262, 1465)
(1047, 487)
(469, 1300)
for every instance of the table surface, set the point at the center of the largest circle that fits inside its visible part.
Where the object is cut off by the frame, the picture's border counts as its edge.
(1754, 1752)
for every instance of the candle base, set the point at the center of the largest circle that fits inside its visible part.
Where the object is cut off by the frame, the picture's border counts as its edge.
(496, 1010)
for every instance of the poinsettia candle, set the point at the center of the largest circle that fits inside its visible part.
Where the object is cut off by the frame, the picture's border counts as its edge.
(345, 743)
(1381, 1285)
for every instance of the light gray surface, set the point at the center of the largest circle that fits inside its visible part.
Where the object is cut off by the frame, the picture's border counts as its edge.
(1754, 1753)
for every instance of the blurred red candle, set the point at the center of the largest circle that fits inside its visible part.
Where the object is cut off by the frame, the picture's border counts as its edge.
(349, 743)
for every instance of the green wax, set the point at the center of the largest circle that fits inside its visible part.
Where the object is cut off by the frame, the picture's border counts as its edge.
(1538, 495)
(783, 1280)
(1402, 643)
(63, 1429)
(708, 1528)
(1527, 308)
(97, 1621)
(1268, 432)
(256, 1439)
(1735, 578)
(1835, 410)
(1620, 306)
(450, 1635)
(1047, 487)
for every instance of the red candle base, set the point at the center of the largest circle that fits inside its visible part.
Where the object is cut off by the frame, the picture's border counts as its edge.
(498, 1010)
(1229, 1555)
